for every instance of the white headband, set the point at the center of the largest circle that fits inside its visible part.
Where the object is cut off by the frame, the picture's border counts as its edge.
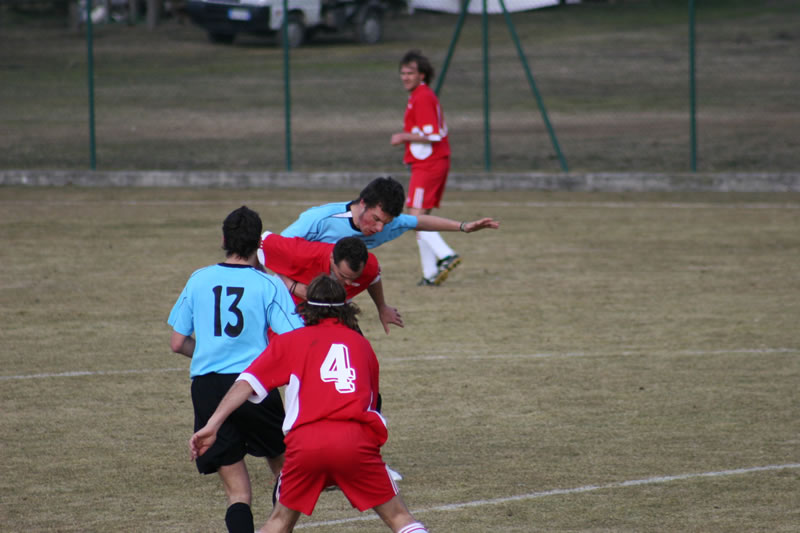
(325, 304)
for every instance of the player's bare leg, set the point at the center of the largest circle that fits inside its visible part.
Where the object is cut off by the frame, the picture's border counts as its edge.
(282, 520)
(276, 463)
(397, 516)
(236, 481)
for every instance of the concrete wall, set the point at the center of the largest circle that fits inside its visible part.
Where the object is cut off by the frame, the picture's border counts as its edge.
(611, 182)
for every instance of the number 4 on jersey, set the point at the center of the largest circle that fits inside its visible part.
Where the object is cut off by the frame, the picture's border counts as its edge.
(336, 368)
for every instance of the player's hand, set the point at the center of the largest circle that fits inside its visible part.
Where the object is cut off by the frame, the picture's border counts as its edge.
(398, 138)
(390, 315)
(483, 223)
(201, 442)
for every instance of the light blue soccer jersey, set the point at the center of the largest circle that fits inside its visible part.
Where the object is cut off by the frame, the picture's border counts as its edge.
(229, 308)
(331, 222)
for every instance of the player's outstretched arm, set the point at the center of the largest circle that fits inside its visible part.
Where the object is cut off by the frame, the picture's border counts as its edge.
(202, 440)
(386, 313)
(434, 223)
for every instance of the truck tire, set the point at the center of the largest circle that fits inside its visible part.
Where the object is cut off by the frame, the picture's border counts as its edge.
(369, 25)
(221, 38)
(296, 30)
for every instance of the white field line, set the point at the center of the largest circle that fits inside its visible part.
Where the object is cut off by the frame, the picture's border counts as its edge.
(455, 355)
(309, 203)
(561, 492)
(79, 373)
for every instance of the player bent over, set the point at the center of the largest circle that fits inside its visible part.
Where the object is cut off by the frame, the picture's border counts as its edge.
(298, 261)
(333, 431)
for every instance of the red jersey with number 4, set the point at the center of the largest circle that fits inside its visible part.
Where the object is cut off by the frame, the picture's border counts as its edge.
(424, 117)
(331, 373)
(303, 260)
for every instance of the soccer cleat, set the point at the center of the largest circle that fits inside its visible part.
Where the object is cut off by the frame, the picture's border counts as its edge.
(448, 263)
(441, 275)
(445, 266)
(425, 282)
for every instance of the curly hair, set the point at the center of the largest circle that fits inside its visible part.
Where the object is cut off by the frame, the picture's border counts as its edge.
(423, 64)
(386, 192)
(327, 299)
(241, 232)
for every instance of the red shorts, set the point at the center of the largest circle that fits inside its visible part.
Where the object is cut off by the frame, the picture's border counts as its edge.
(428, 178)
(341, 453)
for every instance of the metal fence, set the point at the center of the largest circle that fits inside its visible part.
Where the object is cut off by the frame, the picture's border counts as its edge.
(631, 86)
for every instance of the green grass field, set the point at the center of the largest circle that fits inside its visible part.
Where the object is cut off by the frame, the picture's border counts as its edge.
(603, 362)
(614, 79)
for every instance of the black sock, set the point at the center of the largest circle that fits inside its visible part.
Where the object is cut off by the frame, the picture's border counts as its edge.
(239, 518)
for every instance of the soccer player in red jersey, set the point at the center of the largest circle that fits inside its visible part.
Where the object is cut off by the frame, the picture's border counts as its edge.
(298, 261)
(333, 429)
(427, 152)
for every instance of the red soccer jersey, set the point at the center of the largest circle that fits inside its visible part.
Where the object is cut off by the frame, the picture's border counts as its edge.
(303, 260)
(331, 371)
(424, 116)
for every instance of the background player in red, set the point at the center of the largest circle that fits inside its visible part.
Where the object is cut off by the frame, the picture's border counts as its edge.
(298, 261)
(333, 429)
(427, 152)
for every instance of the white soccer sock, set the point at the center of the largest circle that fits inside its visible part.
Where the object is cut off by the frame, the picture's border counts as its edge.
(416, 527)
(427, 258)
(437, 244)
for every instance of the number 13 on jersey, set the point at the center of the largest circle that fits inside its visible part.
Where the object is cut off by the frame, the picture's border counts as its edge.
(336, 368)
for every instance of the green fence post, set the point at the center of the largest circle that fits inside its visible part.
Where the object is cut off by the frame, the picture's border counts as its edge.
(287, 97)
(532, 83)
(487, 153)
(692, 96)
(90, 74)
(451, 49)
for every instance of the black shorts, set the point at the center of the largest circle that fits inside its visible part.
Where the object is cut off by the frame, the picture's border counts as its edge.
(254, 428)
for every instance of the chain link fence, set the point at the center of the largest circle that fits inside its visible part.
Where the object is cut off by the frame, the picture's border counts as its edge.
(614, 78)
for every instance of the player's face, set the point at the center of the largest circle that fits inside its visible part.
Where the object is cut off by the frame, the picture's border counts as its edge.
(411, 76)
(372, 220)
(344, 273)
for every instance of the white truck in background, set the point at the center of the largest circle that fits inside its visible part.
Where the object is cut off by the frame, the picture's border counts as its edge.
(223, 19)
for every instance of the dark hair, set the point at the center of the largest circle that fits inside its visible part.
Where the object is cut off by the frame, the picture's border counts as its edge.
(241, 232)
(325, 289)
(386, 192)
(353, 251)
(423, 65)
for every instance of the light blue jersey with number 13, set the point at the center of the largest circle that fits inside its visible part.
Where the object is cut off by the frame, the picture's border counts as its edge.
(229, 308)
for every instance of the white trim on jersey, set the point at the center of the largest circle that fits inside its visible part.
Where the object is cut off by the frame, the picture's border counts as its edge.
(292, 400)
(259, 392)
(260, 252)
